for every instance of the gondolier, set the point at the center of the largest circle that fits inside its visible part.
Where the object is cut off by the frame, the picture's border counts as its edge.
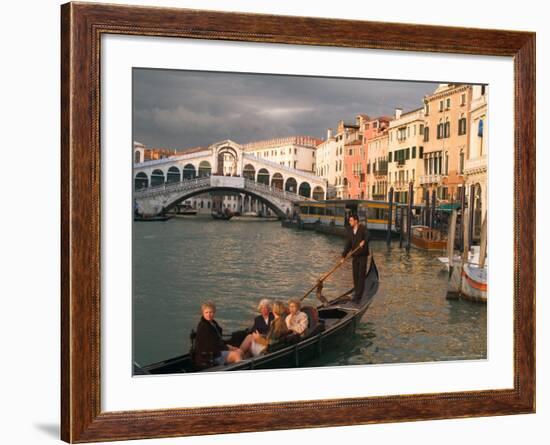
(357, 236)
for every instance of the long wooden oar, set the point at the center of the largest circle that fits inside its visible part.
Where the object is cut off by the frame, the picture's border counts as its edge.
(330, 272)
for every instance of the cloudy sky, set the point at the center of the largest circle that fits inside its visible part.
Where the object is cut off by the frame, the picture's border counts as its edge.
(182, 109)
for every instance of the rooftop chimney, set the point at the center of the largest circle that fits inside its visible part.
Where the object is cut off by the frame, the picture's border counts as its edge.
(398, 112)
(329, 133)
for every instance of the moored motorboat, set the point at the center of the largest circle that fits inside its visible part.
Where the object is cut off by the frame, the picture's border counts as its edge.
(328, 325)
(423, 237)
(153, 218)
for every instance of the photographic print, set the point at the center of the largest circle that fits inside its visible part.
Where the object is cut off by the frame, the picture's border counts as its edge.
(278, 220)
(292, 221)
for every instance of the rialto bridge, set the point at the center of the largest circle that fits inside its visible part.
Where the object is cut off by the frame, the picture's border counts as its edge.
(222, 167)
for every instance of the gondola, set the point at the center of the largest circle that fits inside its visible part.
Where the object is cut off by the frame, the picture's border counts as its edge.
(224, 216)
(329, 324)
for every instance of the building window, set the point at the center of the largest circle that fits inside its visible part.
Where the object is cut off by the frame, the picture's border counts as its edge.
(440, 105)
(463, 99)
(447, 129)
(448, 103)
(390, 156)
(414, 152)
(426, 109)
(439, 131)
(483, 90)
(461, 166)
(462, 126)
(426, 134)
(420, 152)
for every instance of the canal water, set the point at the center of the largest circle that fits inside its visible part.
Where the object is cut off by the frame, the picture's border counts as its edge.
(179, 263)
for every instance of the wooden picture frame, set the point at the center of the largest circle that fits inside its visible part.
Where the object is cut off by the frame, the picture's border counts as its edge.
(82, 26)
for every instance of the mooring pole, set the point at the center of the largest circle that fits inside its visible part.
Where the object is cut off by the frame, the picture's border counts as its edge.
(471, 216)
(432, 209)
(427, 207)
(390, 211)
(462, 213)
(409, 216)
(401, 225)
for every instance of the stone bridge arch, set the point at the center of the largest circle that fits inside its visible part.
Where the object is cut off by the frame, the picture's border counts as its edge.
(277, 209)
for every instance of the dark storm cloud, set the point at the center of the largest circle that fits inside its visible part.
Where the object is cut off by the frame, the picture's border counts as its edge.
(181, 109)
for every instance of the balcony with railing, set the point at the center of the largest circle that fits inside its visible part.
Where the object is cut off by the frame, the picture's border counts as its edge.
(430, 179)
(475, 165)
(382, 171)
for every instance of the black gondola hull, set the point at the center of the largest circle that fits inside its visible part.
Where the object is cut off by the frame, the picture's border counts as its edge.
(340, 321)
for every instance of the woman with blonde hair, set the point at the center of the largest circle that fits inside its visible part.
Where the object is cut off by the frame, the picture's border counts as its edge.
(255, 343)
(210, 348)
(296, 320)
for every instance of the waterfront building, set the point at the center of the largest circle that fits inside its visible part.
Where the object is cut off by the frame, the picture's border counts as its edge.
(405, 154)
(356, 155)
(475, 164)
(325, 162)
(346, 134)
(296, 152)
(446, 140)
(377, 166)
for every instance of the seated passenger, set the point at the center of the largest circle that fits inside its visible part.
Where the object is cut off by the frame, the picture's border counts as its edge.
(264, 320)
(255, 343)
(209, 343)
(296, 320)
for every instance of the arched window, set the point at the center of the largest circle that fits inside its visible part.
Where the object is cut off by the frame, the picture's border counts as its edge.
(137, 157)
(318, 193)
(173, 174)
(249, 172)
(189, 171)
(291, 185)
(305, 190)
(157, 178)
(141, 181)
(205, 169)
(277, 181)
(263, 176)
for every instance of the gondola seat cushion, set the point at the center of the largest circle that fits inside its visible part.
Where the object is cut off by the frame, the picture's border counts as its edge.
(312, 316)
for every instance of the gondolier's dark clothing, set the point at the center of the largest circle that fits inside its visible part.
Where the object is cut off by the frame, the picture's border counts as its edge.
(260, 325)
(209, 342)
(360, 258)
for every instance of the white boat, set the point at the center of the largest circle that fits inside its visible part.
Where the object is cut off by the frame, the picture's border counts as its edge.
(473, 257)
(468, 280)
